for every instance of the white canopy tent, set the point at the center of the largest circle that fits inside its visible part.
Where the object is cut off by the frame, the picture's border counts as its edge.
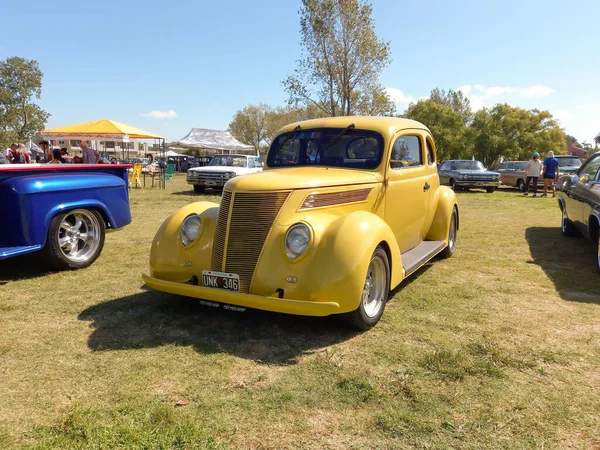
(213, 141)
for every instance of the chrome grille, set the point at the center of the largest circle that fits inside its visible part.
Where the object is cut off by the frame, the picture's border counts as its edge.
(249, 224)
(221, 232)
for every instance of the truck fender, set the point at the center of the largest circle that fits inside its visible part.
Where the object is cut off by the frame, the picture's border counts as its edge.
(444, 201)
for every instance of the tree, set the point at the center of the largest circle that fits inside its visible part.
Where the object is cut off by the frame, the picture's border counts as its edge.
(573, 140)
(515, 133)
(455, 100)
(448, 128)
(249, 125)
(597, 140)
(20, 118)
(342, 60)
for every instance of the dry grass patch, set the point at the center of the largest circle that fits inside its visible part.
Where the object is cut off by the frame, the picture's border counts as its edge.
(496, 347)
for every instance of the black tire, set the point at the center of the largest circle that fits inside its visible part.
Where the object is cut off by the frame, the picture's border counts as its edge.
(598, 257)
(521, 185)
(490, 190)
(66, 231)
(452, 184)
(567, 228)
(452, 233)
(362, 318)
(198, 189)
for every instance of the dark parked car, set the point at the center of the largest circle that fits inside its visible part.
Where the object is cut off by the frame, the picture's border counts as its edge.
(579, 202)
(568, 165)
(467, 174)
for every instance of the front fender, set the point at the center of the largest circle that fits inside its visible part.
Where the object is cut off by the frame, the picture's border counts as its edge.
(335, 266)
(444, 201)
(169, 259)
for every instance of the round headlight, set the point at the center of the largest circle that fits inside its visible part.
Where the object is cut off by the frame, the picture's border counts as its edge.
(190, 229)
(297, 240)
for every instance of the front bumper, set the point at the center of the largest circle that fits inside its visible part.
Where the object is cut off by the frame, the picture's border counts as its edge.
(476, 184)
(206, 183)
(271, 303)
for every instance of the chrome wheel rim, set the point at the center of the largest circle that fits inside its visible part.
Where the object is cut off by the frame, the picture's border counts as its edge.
(452, 232)
(374, 287)
(79, 235)
(598, 254)
(564, 221)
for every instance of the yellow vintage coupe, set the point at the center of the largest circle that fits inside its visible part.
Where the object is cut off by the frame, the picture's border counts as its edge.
(346, 208)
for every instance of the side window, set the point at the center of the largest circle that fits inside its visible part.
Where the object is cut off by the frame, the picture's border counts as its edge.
(406, 153)
(591, 168)
(251, 163)
(430, 153)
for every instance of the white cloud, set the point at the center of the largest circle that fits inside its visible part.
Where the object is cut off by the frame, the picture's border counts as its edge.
(536, 91)
(397, 96)
(487, 96)
(161, 114)
(563, 115)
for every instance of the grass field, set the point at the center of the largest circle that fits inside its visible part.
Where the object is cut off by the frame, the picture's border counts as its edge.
(496, 347)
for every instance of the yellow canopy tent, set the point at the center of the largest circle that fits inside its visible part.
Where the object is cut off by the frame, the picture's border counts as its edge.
(99, 130)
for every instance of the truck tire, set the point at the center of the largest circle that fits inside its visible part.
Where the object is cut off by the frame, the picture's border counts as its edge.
(452, 231)
(198, 189)
(375, 293)
(75, 239)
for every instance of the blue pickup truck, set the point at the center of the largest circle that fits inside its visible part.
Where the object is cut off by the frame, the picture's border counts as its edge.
(61, 210)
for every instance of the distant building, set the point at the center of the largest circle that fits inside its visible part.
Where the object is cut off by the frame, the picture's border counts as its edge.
(573, 150)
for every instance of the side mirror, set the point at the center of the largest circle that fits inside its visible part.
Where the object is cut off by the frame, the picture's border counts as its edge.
(584, 178)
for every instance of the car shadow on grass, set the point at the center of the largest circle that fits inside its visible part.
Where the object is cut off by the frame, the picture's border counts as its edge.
(569, 262)
(207, 193)
(152, 319)
(23, 267)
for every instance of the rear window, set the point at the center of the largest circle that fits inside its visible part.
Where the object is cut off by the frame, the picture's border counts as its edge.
(568, 161)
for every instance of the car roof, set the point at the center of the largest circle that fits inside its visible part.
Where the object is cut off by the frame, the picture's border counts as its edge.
(384, 125)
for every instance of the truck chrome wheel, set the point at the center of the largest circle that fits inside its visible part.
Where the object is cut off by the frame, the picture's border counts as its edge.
(375, 291)
(79, 235)
(75, 238)
(374, 288)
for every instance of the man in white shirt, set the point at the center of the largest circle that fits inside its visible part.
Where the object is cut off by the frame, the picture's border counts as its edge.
(532, 172)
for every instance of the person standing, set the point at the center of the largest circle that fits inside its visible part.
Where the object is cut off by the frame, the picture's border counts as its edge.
(18, 154)
(550, 173)
(90, 156)
(532, 172)
(45, 146)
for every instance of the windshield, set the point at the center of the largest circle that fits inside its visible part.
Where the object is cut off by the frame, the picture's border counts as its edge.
(332, 147)
(567, 161)
(227, 160)
(466, 165)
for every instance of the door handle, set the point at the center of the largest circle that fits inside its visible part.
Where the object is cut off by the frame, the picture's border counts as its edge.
(426, 187)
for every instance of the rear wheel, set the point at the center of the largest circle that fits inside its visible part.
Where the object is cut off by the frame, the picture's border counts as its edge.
(374, 294)
(567, 227)
(521, 185)
(75, 239)
(452, 229)
(198, 189)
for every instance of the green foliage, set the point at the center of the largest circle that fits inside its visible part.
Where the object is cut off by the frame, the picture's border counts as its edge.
(448, 128)
(515, 133)
(455, 100)
(20, 118)
(342, 60)
(355, 389)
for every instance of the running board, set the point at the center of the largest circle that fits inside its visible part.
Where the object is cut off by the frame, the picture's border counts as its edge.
(416, 257)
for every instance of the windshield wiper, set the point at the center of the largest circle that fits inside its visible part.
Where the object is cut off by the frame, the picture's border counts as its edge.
(290, 136)
(338, 137)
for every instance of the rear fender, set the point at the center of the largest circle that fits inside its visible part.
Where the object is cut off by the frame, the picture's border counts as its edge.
(444, 201)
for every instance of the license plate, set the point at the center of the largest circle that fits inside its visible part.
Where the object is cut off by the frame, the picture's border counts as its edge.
(220, 280)
(478, 184)
(210, 183)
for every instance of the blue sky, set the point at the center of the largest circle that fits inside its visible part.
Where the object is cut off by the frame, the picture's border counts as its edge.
(202, 61)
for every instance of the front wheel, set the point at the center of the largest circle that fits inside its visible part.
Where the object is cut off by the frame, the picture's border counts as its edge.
(198, 189)
(598, 258)
(75, 239)
(374, 294)
(490, 190)
(452, 229)
(567, 228)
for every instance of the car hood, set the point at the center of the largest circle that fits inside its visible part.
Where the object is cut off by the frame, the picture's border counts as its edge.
(219, 169)
(301, 178)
